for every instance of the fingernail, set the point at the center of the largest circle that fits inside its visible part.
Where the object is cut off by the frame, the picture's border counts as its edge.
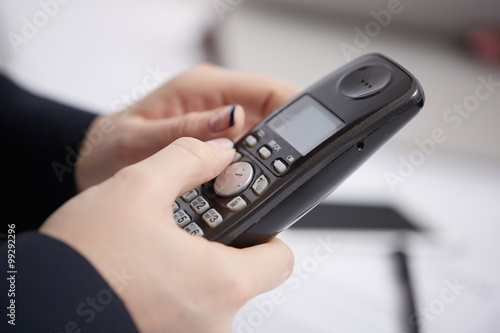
(222, 143)
(223, 120)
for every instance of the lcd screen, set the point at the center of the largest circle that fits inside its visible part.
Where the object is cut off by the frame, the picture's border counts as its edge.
(305, 124)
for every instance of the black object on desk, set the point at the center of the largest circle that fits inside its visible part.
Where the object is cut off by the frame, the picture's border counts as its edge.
(376, 218)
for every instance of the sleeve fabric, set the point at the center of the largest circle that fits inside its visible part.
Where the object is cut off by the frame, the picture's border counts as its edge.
(58, 290)
(40, 140)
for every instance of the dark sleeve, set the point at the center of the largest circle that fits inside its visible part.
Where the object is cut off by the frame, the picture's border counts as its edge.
(52, 288)
(40, 140)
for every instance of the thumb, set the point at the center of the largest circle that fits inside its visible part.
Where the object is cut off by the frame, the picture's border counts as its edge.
(226, 121)
(186, 164)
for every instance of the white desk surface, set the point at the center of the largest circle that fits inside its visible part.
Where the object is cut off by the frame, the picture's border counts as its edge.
(356, 289)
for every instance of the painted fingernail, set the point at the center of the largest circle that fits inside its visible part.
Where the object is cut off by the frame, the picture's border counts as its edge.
(222, 143)
(223, 120)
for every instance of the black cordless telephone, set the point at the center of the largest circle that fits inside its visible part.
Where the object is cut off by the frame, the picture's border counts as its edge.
(302, 152)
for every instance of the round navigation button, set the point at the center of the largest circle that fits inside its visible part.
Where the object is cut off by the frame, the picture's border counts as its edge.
(365, 81)
(234, 179)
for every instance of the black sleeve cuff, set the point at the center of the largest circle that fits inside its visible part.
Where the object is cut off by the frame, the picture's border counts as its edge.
(40, 141)
(55, 289)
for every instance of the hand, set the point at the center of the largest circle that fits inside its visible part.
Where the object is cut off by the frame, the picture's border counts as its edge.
(179, 109)
(181, 283)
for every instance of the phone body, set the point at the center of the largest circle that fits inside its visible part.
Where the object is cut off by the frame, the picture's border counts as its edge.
(299, 154)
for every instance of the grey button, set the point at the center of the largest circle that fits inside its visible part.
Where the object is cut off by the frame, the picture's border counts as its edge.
(265, 153)
(212, 218)
(279, 166)
(194, 230)
(190, 196)
(260, 185)
(236, 204)
(250, 141)
(200, 205)
(182, 218)
(234, 180)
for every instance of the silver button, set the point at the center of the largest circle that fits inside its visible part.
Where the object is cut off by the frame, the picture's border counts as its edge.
(234, 180)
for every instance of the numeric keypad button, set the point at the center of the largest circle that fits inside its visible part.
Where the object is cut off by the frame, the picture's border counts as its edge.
(190, 196)
(182, 218)
(199, 205)
(212, 218)
(194, 230)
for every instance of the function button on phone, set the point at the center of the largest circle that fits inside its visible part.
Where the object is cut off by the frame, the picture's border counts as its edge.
(251, 141)
(237, 157)
(175, 207)
(234, 179)
(212, 218)
(265, 152)
(260, 185)
(194, 230)
(200, 205)
(280, 166)
(236, 204)
(182, 218)
(190, 196)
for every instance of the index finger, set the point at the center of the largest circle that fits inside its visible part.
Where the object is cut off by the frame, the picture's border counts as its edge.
(215, 86)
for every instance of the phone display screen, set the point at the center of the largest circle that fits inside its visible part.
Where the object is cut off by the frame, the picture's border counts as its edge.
(305, 124)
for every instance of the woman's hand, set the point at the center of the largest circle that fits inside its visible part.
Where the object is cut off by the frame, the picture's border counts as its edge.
(206, 102)
(177, 282)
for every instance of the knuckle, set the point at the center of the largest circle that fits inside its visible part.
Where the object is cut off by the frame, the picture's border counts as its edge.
(131, 177)
(194, 152)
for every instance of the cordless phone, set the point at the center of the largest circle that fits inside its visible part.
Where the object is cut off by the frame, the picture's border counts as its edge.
(302, 152)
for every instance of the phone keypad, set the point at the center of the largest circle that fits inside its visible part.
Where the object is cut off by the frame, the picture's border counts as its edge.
(205, 209)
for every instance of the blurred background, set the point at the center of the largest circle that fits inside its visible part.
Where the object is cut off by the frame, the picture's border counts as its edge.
(97, 56)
